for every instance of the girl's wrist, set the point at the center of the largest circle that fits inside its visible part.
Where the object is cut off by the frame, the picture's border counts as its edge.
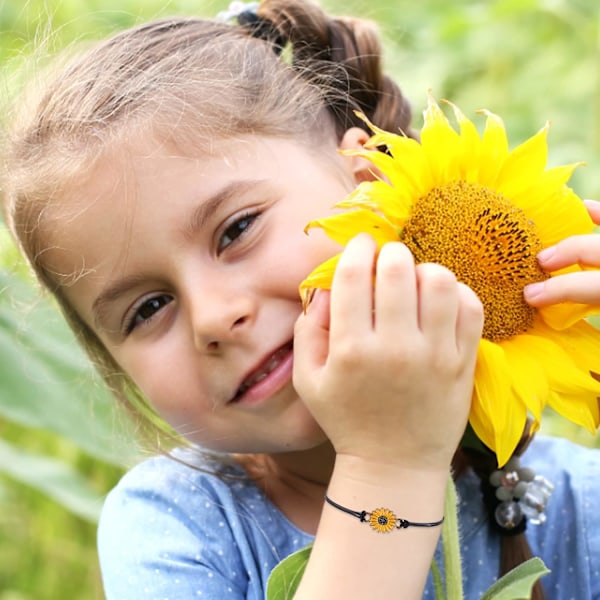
(413, 494)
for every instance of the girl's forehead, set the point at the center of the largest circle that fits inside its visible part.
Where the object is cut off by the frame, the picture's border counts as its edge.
(103, 201)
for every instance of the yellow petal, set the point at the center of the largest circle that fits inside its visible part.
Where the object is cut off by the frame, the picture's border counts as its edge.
(576, 409)
(468, 168)
(409, 171)
(529, 378)
(546, 189)
(573, 391)
(497, 419)
(581, 343)
(320, 278)
(524, 164)
(563, 316)
(557, 213)
(441, 143)
(343, 227)
(494, 149)
(380, 197)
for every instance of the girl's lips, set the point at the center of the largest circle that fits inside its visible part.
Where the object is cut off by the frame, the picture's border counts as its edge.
(268, 378)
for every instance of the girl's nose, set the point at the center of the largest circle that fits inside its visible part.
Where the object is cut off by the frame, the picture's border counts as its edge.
(219, 319)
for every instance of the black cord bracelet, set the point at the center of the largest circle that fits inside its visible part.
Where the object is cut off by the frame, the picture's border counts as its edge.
(381, 520)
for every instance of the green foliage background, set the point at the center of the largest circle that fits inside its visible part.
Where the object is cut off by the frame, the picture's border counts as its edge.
(62, 445)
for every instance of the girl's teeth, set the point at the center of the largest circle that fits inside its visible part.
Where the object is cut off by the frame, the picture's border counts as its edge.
(269, 367)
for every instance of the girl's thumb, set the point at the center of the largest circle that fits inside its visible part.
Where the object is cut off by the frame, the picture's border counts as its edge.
(311, 336)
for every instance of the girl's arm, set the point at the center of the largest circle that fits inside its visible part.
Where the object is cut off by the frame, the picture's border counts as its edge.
(581, 286)
(387, 371)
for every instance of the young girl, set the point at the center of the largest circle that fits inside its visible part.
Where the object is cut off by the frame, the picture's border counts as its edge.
(160, 185)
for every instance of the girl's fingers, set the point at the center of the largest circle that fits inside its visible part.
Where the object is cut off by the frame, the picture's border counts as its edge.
(469, 324)
(395, 290)
(579, 249)
(593, 207)
(352, 288)
(582, 287)
(311, 342)
(438, 303)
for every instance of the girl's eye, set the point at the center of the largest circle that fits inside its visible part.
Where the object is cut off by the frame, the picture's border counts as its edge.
(235, 230)
(146, 310)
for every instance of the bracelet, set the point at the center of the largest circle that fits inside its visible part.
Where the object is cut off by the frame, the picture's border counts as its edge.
(381, 520)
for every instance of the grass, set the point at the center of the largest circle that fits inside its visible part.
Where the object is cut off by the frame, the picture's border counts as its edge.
(46, 552)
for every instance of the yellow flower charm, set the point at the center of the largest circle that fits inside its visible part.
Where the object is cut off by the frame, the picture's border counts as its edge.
(464, 200)
(382, 520)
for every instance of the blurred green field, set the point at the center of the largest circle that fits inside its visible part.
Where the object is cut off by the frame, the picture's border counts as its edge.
(62, 446)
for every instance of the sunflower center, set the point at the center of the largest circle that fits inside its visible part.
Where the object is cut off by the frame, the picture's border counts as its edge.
(487, 242)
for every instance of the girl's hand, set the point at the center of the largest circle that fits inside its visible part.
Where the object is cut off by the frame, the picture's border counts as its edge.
(385, 363)
(582, 286)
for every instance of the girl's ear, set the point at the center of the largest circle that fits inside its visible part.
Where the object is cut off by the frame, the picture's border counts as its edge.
(361, 168)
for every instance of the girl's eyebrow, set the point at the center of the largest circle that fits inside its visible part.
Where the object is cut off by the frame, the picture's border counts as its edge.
(112, 292)
(200, 215)
(206, 209)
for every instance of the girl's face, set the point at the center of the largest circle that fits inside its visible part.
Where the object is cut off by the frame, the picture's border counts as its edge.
(188, 270)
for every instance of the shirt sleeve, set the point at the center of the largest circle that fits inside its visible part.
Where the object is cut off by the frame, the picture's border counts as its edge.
(167, 540)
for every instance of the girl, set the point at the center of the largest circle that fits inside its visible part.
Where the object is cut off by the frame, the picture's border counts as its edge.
(160, 185)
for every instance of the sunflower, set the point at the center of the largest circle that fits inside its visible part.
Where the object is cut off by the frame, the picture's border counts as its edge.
(382, 520)
(466, 201)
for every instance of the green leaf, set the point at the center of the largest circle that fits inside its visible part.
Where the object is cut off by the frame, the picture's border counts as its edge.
(52, 477)
(517, 584)
(436, 577)
(285, 577)
(451, 545)
(47, 382)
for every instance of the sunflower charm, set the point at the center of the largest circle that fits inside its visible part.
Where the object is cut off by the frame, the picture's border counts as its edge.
(382, 520)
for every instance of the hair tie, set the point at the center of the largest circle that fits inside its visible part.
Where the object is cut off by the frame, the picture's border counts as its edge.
(519, 496)
(245, 14)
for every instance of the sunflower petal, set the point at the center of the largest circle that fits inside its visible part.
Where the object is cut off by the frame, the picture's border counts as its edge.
(410, 173)
(380, 197)
(343, 227)
(437, 134)
(496, 418)
(573, 391)
(558, 214)
(581, 343)
(320, 278)
(565, 315)
(471, 146)
(494, 149)
(524, 164)
(529, 377)
(576, 409)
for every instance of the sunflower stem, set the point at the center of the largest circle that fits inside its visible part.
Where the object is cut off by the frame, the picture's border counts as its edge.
(451, 545)
(436, 577)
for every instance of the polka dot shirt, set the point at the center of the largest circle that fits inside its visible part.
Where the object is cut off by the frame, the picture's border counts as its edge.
(172, 532)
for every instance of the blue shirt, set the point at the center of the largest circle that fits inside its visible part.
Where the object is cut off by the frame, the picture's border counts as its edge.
(171, 532)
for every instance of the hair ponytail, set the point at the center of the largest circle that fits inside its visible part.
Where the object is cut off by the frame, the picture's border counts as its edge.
(514, 548)
(342, 55)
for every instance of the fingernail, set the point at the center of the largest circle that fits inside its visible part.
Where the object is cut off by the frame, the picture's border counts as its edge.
(316, 299)
(546, 253)
(592, 203)
(533, 290)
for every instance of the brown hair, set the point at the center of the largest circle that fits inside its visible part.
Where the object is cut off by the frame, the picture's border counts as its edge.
(192, 82)
(514, 547)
